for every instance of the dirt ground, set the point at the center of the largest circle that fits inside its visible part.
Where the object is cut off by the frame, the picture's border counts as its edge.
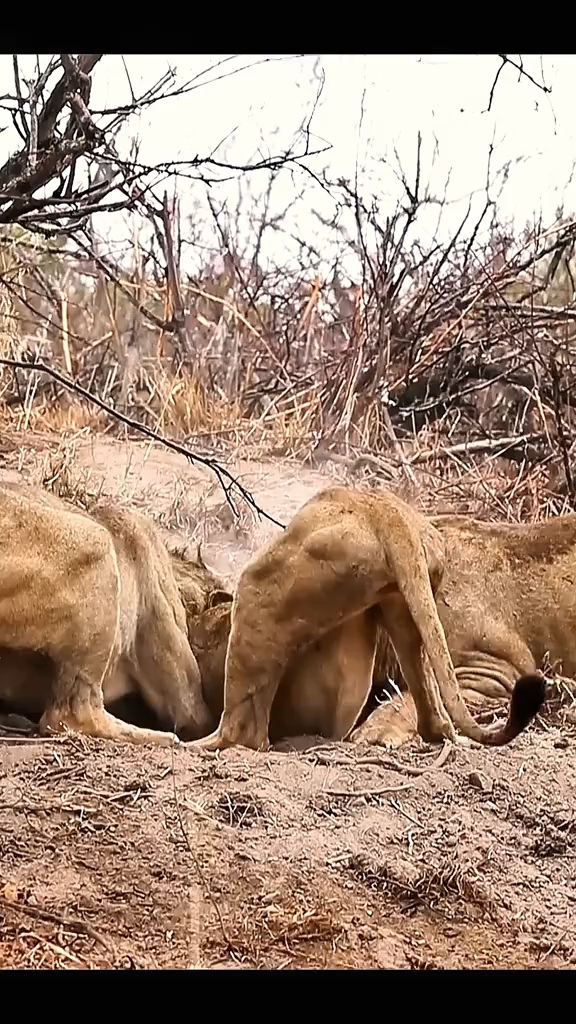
(333, 857)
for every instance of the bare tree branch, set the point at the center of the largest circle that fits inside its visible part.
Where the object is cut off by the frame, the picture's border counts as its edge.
(227, 481)
(522, 73)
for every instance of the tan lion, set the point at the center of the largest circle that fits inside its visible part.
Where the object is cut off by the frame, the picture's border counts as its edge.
(158, 591)
(92, 607)
(345, 553)
(322, 690)
(507, 602)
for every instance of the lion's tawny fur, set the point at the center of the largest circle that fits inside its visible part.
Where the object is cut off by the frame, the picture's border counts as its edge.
(91, 608)
(504, 596)
(344, 553)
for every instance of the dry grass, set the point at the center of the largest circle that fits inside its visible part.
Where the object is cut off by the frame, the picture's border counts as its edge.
(59, 473)
(434, 886)
(560, 707)
(238, 809)
(312, 369)
(288, 918)
(480, 485)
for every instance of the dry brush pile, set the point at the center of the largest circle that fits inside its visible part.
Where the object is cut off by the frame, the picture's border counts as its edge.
(445, 360)
(452, 359)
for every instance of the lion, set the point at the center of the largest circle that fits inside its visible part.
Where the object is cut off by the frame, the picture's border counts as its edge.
(93, 606)
(507, 604)
(322, 691)
(323, 688)
(347, 552)
(317, 697)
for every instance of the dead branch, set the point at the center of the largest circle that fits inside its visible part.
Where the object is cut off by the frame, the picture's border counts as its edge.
(522, 73)
(379, 791)
(227, 481)
(72, 923)
(66, 142)
(499, 446)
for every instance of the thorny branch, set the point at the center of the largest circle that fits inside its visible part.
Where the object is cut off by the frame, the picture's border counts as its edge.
(227, 481)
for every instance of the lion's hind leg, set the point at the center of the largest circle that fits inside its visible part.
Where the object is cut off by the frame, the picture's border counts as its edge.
(432, 721)
(77, 705)
(305, 585)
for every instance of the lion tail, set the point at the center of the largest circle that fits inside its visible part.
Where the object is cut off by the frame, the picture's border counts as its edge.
(528, 696)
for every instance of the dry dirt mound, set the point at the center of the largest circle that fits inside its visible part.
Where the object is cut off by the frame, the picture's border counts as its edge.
(334, 857)
(184, 498)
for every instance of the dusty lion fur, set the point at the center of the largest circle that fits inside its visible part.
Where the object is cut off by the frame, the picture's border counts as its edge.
(452, 589)
(91, 609)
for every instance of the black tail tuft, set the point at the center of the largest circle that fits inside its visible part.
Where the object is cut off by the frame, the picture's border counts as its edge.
(528, 696)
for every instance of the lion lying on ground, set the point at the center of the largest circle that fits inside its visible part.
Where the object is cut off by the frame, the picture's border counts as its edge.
(505, 597)
(93, 607)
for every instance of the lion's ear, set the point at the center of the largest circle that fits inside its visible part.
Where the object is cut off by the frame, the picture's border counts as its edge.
(219, 597)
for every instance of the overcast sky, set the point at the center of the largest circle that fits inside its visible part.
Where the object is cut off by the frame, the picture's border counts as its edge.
(370, 106)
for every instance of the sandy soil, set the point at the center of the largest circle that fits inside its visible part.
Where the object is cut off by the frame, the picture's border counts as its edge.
(333, 857)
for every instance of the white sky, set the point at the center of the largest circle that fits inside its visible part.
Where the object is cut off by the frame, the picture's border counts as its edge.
(443, 97)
